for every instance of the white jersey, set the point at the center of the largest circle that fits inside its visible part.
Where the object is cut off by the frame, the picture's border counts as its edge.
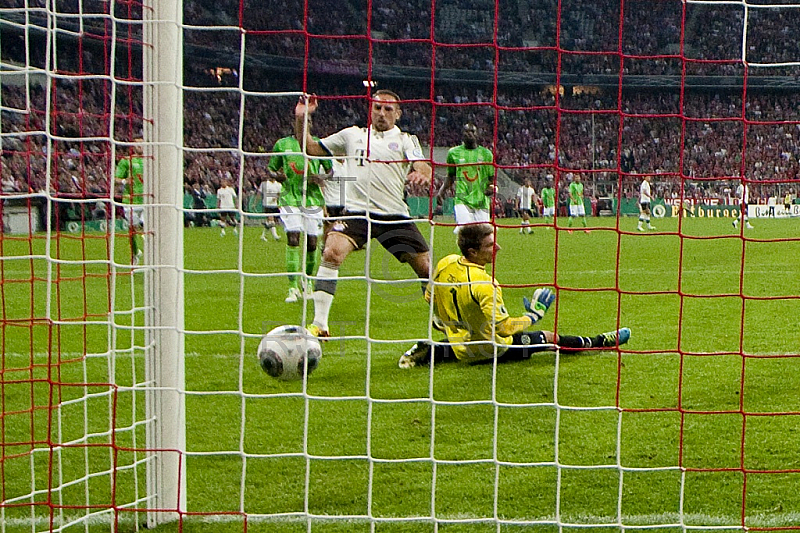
(379, 162)
(644, 192)
(525, 197)
(269, 190)
(743, 193)
(226, 198)
(332, 191)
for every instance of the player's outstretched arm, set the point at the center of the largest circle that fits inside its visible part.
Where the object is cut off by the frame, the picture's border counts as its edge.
(306, 104)
(536, 309)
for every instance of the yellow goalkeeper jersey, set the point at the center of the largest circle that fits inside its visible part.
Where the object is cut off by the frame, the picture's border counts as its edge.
(470, 304)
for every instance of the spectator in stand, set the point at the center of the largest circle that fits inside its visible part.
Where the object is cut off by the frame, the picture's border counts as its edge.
(510, 207)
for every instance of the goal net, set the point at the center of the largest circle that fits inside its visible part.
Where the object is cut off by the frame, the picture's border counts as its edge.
(131, 394)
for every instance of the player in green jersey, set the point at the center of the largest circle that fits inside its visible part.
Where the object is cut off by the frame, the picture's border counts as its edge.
(129, 172)
(548, 196)
(576, 207)
(301, 205)
(470, 168)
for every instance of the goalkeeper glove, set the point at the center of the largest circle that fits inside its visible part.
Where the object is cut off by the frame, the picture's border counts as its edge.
(542, 300)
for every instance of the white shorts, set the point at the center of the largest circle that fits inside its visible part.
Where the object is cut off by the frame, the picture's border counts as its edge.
(307, 220)
(466, 214)
(577, 210)
(134, 215)
(548, 211)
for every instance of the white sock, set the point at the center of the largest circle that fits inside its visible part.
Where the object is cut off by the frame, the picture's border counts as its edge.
(275, 232)
(324, 300)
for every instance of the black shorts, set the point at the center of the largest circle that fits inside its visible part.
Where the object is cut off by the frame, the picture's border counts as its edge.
(272, 210)
(524, 212)
(334, 211)
(399, 238)
(226, 213)
(645, 207)
(524, 345)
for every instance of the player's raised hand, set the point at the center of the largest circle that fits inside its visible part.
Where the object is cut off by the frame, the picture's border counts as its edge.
(538, 306)
(306, 103)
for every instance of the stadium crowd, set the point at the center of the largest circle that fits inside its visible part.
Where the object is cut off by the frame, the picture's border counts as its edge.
(654, 36)
(653, 130)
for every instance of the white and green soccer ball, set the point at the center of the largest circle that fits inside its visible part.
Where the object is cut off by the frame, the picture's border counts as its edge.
(289, 352)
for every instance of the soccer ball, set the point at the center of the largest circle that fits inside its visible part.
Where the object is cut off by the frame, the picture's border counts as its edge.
(286, 352)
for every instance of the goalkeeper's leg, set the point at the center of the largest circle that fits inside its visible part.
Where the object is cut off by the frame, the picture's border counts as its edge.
(530, 342)
(604, 340)
(420, 354)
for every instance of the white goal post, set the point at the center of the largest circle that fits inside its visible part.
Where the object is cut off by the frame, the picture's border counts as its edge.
(163, 133)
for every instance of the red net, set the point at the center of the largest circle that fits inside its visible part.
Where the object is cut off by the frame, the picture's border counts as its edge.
(699, 97)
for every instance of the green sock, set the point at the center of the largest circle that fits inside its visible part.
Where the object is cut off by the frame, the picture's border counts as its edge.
(570, 222)
(293, 264)
(585, 224)
(312, 262)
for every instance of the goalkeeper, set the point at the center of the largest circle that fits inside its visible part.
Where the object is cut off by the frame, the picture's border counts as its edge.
(469, 308)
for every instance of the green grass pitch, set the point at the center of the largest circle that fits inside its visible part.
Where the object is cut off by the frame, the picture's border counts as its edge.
(694, 423)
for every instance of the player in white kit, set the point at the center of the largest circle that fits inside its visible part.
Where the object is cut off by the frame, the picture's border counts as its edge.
(743, 194)
(380, 160)
(270, 189)
(645, 197)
